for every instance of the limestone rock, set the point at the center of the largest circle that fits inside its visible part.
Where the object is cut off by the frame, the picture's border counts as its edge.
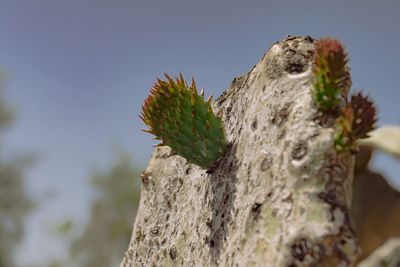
(279, 197)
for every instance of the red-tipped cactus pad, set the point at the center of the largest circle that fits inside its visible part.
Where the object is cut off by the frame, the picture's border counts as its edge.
(331, 74)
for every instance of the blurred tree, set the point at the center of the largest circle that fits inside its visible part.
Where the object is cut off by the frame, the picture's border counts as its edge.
(14, 201)
(108, 231)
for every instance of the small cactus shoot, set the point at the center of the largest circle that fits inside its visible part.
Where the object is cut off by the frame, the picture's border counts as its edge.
(331, 86)
(331, 74)
(182, 119)
(357, 119)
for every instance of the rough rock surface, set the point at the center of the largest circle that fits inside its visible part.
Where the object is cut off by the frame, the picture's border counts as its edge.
(280, 195)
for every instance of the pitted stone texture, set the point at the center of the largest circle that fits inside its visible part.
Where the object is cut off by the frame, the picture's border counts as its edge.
(277, 198)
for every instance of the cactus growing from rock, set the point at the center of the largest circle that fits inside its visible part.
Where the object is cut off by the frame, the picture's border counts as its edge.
(331, 74)
(331, 85)
(182, 119)
(357, 119)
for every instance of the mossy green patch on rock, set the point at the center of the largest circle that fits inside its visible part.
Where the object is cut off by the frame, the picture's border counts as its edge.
(272, 224)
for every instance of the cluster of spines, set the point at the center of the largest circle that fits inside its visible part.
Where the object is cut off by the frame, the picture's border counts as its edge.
(331, 85)
(182, 119)
(356, 120)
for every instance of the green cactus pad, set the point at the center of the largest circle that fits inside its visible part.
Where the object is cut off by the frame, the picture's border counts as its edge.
(331, 74)
(182, 119)
(331, 85)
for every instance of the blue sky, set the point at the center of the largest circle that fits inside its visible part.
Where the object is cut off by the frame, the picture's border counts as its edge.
(78, 71)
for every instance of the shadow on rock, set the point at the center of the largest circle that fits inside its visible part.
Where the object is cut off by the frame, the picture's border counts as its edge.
(223, 185)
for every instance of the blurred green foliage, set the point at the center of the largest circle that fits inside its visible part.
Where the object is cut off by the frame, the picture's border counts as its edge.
(14, 201)
(105, 238)
(107, 234)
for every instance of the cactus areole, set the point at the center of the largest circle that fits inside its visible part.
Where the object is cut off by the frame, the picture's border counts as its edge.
(182, 119)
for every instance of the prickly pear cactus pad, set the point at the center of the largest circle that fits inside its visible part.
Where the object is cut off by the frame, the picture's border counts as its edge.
(357, 119)
(331, 74)
(182, 119)
(355, 115)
